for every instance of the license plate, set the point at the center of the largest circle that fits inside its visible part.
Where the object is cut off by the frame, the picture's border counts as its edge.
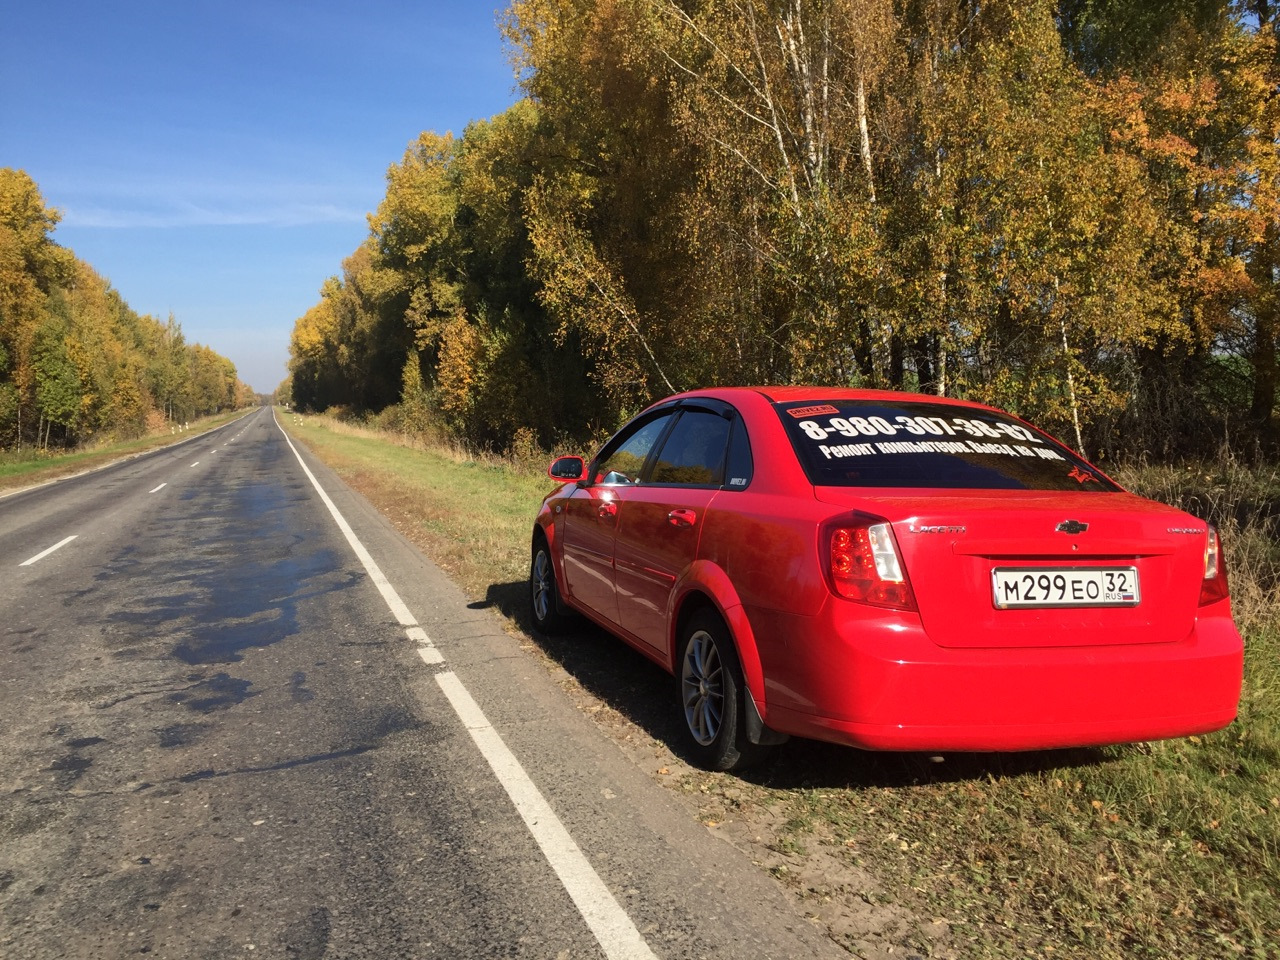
(1065, 587)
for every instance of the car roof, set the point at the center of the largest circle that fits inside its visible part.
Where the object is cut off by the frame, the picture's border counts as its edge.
(789, 394)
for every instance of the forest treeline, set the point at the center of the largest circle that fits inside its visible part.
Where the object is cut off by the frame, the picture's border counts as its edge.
(1070, 210)
(76, 363)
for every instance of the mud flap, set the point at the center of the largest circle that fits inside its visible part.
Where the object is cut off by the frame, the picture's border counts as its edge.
(757, 732)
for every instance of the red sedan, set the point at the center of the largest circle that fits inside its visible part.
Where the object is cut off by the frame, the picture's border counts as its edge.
(889, 571)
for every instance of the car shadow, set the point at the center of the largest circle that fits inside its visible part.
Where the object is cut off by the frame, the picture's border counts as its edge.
(603, 665)
(811, 764)
(645, 694)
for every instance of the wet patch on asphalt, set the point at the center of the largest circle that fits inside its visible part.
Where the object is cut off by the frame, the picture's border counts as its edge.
(214, 693)
(213, 600)
(307, 938)
(71, 768)
(298, 690)
(181, 734)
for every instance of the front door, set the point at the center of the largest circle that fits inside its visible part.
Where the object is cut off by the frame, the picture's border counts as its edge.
(594, 511)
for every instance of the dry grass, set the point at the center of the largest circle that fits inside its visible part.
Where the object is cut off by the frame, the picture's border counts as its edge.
(1244, 503)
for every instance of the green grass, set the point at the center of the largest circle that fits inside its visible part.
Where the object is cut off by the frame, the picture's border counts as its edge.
(20, 468)
(1168, 849)
(1161, 850)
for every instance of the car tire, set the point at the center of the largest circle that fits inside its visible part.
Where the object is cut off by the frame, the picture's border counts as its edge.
(544, 593)
(711, 696)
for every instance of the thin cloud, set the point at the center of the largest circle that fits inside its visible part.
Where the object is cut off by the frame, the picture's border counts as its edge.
(86, 216)
(162, 204)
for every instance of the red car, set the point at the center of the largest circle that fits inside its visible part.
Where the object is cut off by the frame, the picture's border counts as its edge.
(889, 571)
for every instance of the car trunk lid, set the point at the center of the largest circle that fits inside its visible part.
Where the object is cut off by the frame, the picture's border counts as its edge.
(1026, 568)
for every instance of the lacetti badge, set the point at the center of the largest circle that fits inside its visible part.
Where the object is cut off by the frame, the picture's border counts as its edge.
(1072, 527)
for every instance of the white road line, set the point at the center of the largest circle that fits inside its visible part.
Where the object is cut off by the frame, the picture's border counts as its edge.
(158, 489)
(44, 553)
(431, 656)
(398, 609)
(606, 918)
(426, 649)
(610, 924)
(196, 464)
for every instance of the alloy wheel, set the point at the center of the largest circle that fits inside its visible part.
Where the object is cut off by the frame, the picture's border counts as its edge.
(702, 687)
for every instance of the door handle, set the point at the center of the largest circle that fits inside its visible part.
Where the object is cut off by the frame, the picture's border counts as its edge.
(607, 510)
(682, 518)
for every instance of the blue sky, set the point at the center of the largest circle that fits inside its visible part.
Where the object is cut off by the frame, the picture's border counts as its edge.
(216, 160)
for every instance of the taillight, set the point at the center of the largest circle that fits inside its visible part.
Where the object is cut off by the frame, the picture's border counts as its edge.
(864, 565)
(1214, 586)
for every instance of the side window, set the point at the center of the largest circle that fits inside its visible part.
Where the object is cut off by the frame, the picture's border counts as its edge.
(737, 475)
(623, 459)
(693, 453)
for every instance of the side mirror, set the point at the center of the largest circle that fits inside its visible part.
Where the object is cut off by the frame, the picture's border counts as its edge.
(567, 469)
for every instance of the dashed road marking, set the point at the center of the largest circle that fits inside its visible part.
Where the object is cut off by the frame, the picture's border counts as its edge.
(44, 553)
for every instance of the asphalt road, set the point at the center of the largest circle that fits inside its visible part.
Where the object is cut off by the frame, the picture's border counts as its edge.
(226, 732)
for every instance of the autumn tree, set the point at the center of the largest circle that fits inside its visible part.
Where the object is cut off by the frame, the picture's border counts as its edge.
(533, 375)
(437, 309)
(787, 103)
(605, 209)
(1068, 209)
(75, 360)
(31, 265)
(1200, 79)
(1050, 278)
(315, 380)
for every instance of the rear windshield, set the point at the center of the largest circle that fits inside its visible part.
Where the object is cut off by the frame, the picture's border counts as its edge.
(878, 443)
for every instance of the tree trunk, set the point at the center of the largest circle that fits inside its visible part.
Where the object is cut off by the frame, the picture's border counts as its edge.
(1266, 306)
(864, 135)
(1265, 373)
(1071, 385)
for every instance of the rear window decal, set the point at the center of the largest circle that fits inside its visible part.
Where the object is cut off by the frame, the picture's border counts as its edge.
(922, 444)
(944, 446)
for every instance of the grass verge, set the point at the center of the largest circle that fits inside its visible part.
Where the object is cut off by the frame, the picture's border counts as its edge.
(1167, 849)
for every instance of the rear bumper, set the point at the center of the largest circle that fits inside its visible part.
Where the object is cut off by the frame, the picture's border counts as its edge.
(880, 684)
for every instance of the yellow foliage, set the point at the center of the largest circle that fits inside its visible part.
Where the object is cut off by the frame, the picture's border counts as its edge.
(460, 372)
